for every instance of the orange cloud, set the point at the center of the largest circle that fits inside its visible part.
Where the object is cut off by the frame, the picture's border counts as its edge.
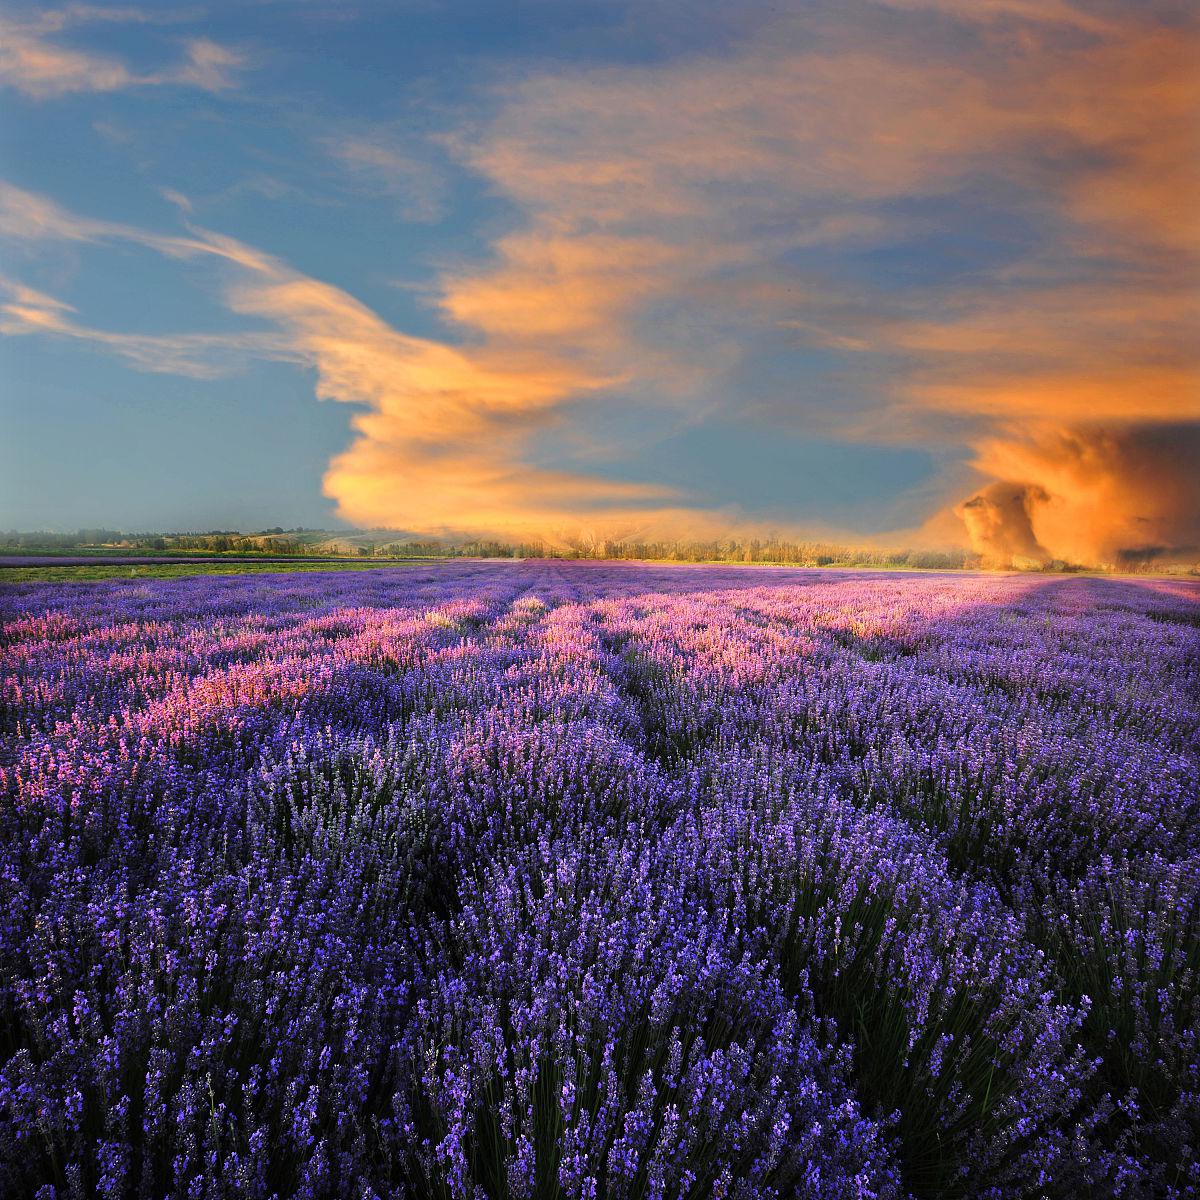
(30, 218)
(1133, 102)
(40, 67)
(443, 434)
(1100, 494)
(690, 181)
(664, 215)
(442, 442)
(999, 521)
(1039, 12)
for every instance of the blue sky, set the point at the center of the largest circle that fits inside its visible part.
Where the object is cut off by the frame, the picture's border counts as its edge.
(659, 268)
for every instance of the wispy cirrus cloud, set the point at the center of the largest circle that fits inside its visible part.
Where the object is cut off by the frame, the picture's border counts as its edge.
(1039, 12)
(36, 62)
(27, 311)
(27, 217)
(383, 164)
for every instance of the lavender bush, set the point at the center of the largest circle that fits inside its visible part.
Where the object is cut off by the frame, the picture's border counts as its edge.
(600, 880)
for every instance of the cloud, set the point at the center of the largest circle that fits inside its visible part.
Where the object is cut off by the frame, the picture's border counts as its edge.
(1098, 493)
(999, 521)
(676, 198)
(27, 217)
(192, 355)
(689, 235)
(442, 441)
(384, 165)
(443, 431)
(177, 198)
(206, 65)
(33, 62)
(1038, 12)
(40, 69)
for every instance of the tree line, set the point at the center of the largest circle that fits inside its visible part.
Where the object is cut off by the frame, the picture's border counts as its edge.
(326, 544)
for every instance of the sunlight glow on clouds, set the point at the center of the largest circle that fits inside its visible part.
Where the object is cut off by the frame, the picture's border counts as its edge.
(679, 226)
(34, 61)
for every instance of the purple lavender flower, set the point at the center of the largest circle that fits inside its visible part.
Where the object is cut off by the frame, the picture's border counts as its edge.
(599, 880)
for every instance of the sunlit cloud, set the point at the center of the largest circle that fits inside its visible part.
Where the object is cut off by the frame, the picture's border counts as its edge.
(1041, 12)
(444, 432)
(206, 65)
(1101, 493)
(443, 442)
(177, 198)
(999, 522)
(712, 169)
(36, 63)
(27, 311)
(27, 217)
(673, 227)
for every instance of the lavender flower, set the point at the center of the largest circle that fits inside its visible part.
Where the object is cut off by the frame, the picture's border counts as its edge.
(502, 880)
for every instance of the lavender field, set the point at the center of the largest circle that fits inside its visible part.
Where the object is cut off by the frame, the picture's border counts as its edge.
(600, 880)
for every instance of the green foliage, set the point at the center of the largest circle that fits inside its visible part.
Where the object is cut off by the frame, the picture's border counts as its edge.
(92, 574)
(301, 542)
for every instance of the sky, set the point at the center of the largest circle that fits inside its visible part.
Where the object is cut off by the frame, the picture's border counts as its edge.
(888, 272)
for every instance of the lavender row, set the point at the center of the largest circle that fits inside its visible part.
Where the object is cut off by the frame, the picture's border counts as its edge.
(600, 880)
